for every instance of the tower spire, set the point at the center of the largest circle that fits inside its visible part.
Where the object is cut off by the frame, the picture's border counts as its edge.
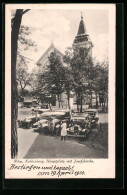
(82, 28)
(81, 16)
(82, 38)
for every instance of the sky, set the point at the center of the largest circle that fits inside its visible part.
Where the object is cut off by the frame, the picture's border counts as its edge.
(61, 27)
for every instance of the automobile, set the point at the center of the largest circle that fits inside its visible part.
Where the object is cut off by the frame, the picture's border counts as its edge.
(40, 109)
(28, 121)
(35, 103)
(93, 115)
(20, 98)
(50, 122)
(54, 114)
(41, 125)
(79, 126)
(27, 103)
(80, 117)
(77, 130)
(44, 106)
(47, 126)
(67, 114)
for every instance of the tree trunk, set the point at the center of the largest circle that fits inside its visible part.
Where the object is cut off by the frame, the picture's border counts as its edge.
(61, 101)
(107, 103)
(58, 100)
(68, 98)
(14, 93)
(104, 104)
(104, 100)
(77, 103)
(62, 104)
(22, 89)
(81, 104)
(50, 107)
(96, 101)
(91, 96)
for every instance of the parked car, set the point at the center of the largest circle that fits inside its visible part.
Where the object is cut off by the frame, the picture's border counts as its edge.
(41, 109)
(79, 126)
(20, 98)
(35, 103)
(93, 115)
(76, 130)
(28, 121)
(67, 115)
(44, 106)
(80, 117)
(41, 125)
(50, 122)
(54, 114)
(27, 103)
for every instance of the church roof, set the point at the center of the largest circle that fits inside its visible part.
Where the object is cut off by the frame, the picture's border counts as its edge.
(82, 28)
(47, 51)
(82, 35)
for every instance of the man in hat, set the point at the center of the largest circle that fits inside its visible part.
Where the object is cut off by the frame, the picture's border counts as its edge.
(63, 130)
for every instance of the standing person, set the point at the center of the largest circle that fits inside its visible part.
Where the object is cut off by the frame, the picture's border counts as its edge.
(63, 130)
(89, 122)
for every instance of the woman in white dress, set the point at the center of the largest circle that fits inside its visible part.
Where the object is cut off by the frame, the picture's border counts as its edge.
(63, 130)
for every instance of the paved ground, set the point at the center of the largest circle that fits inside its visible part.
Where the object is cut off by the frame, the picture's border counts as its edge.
(26, 137)
(34, 145)
(52, 147)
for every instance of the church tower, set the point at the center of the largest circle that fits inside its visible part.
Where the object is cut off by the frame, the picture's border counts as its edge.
(82, 39)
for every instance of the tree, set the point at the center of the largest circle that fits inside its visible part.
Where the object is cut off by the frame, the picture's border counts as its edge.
(55, 80)
(24, 78)
(80, 62)
(98, 77)
(68, 82)
(51, 81)
(91, 77)
(103, 82)
(16, 23)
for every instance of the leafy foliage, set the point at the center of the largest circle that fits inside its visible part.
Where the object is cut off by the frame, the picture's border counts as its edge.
(80, 64)
(23, 77)
(23, 39)
(88, 75)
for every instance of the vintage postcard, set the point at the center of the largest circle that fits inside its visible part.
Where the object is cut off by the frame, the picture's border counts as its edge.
(60, 91)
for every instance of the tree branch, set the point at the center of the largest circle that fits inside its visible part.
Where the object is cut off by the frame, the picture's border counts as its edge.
(25, 11)
(22, 14)
(26, 58)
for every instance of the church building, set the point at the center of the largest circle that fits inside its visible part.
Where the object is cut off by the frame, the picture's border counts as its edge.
(82, 39)
(43, 60)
